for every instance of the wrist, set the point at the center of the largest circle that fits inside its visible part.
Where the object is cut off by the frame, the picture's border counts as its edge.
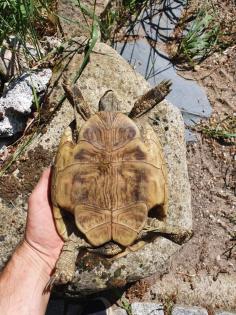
(38, 260)
(23, 281)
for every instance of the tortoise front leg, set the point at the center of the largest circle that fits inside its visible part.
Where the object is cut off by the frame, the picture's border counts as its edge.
(65, 267)
(150, 99)
(78, 102)
(175, 233)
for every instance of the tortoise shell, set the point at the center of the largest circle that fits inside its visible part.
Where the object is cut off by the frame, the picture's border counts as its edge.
(110, 179)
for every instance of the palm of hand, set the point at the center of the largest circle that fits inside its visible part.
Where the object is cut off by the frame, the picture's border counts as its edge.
(41, 232)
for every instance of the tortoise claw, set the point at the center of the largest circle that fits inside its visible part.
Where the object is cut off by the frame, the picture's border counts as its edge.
(50, 284)
(58, 278)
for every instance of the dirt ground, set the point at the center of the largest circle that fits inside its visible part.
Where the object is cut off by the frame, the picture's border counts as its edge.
(24, 174)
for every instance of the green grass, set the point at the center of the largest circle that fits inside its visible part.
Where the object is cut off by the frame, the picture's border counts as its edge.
(200, 32)
(25, 19)
(116, 17)
(200, 40)
(218, 134)
(125, 304)
(221, 129)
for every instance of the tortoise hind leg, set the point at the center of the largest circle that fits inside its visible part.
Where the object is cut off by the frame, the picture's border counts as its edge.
(175, 233)
(65, 266)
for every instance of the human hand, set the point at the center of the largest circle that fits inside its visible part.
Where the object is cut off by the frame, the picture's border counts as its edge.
(25, 277)
(41, 232)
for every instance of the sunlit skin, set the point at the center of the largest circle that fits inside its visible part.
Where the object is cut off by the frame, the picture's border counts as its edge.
(24, 279)
(40, 232)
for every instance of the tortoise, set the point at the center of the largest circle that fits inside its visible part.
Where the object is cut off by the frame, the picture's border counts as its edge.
(109, 179)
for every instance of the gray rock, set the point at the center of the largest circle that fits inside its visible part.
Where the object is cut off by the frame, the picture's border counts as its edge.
(51, 42)
(188, 310)
(71, 13)
(107, 70)
(147, 309)
(3, 144)
(18, 98)
(12, 223)
(207, 291)
(119, 311)
(225, 313)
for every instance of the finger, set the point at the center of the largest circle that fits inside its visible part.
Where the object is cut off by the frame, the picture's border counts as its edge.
(41, 189)
(43, 182)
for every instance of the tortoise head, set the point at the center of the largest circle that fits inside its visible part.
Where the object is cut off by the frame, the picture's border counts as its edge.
(109, 102)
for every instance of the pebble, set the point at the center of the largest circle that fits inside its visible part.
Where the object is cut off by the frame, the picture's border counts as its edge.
(119, 311)
(188, 310)
(147, 308)
(18, 98)
(225, 313)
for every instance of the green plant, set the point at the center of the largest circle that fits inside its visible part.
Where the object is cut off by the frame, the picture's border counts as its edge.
(201, 38)
(217, 133)
(221, 129)
(24, 19)
(120, 14)
(125, 304)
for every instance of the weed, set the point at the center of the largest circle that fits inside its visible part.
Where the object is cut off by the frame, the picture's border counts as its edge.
(94, 34)
(200, 32)
(119, 14)
(200, 39)
(168, 300)
(221, 129)
(24, 19)
(125, 304)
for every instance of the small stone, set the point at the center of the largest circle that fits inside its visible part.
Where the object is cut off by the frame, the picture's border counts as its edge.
(197, 68)
(147, 308)
(189, 310)
(225, 313)
(18, 98)
(119, 311)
